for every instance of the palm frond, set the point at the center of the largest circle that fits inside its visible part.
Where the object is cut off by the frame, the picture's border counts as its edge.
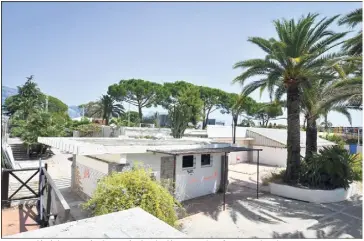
(353, 18)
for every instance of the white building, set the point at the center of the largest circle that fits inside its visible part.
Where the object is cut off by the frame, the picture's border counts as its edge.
(195, 166)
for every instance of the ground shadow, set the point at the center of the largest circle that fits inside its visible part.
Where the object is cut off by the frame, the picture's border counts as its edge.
(26, 212)
(270, 209)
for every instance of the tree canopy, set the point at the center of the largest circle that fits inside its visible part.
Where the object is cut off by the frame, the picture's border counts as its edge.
(212, 100)
(138, 92)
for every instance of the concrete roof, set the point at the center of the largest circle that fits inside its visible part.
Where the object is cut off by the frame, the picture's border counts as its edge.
(96, 146)
(131, 223)
(207, 150)
(280, 136)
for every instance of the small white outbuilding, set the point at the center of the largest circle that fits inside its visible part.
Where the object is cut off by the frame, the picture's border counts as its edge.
(195, 166)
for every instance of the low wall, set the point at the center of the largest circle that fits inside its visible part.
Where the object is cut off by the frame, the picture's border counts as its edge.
(310, 195)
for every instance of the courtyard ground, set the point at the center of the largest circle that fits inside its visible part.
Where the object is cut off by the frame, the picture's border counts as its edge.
(270, 217)
(18, 219)
(246, 174)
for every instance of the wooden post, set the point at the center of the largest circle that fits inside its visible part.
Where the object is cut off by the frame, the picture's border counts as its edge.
(5, 189)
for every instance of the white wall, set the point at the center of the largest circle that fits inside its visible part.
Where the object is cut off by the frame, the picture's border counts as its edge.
(274, 156)
(238, 157)
(271, 156)
(88, 172)
(149, 160)
(200, 181)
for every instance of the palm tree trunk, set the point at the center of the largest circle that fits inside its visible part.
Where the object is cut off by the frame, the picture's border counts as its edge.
(311, 137)
(326, 124)
(293, 134)
(235, 123)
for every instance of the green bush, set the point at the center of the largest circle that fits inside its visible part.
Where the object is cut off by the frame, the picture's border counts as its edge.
(336, 139)
(276, 177)
(87, 130)
(329, 169)
(134, 188)
(357, 166)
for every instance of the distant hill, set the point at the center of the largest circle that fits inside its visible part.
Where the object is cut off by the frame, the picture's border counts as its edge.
(7, 92)
(73, 111)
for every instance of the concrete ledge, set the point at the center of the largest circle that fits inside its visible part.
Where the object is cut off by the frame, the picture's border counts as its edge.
(310, 195)
(131, 223)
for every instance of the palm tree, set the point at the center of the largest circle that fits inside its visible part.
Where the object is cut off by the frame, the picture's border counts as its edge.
(353, 46)
(314, 105)
(247, 122)
(107, 108)
(349, 71)
(291, 62)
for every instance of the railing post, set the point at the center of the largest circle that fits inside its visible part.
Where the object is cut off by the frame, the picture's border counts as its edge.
(5, 189)
(49, 202)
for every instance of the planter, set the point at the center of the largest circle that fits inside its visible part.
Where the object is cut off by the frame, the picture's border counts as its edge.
(311, 195)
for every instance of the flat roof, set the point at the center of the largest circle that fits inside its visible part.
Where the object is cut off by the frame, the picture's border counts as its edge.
(135, 141)
(204, 150)
(98, 146)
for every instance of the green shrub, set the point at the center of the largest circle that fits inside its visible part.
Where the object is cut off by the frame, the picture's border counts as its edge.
(329, 169)
(276, 177)
(336, 139)
(357, 167)
(87, 130)
(133, 188)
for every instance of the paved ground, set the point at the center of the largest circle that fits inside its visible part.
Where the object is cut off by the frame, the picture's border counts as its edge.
(270, 217)
(246, 174)
(17, 220)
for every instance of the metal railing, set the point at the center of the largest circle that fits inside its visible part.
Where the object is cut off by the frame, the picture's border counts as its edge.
(52, 207)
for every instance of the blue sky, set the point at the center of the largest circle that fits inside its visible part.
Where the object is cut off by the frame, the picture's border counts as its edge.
(76, 50)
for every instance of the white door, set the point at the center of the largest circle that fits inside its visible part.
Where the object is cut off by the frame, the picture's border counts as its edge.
(197, 177)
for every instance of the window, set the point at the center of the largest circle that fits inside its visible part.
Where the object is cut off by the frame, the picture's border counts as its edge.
(206, 160)
(188, 161)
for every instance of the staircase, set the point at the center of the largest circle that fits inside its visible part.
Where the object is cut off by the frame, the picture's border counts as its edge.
(19, 152)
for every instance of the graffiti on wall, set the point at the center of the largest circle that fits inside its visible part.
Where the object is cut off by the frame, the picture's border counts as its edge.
(212, 177)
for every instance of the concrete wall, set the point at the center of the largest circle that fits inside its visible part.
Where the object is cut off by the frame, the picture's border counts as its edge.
(197, 181)
(238, 157)
(86, 175)
(149, 160)
(274, 156)
(271, 156)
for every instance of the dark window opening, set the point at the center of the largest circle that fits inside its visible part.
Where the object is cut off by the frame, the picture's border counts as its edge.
(187, 161)
(205, 160)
